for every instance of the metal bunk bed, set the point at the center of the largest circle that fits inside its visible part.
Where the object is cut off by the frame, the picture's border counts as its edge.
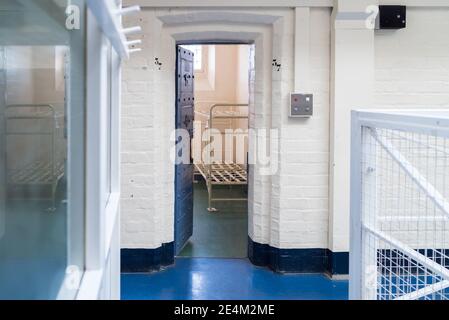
(37, 171)
(222, 174)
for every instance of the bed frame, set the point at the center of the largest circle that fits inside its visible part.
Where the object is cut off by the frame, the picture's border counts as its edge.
(37, 172)
(222, 174)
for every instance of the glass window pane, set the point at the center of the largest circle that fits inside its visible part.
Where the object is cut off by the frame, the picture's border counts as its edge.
(41, 150)
(198, 60)
(198, 53)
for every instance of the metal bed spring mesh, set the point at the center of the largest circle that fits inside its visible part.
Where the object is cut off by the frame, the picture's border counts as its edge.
(223, 174)
(223, 114)
(406, 227)
(36, 173)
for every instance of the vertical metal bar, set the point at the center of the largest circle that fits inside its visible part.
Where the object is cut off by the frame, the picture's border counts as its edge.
(369, 215)
(53, 156)
(355, 256)
(210, 195)
(209, 165)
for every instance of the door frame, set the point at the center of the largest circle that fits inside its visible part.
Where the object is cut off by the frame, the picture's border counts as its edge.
(202, 42)
(181, 27)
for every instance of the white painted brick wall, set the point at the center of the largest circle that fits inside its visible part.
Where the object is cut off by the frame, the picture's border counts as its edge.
(289, 209)
(412, 65)
(298, 213)
(305, 152)
(412, 71)
(139, 147)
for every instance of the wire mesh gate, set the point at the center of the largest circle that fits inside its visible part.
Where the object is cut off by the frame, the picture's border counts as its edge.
(400, 205)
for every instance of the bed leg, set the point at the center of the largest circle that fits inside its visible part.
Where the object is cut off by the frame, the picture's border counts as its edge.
(53, 199)
(195, 181)
(209, 192)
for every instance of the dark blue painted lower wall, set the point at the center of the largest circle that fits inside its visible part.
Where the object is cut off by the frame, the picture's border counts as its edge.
(279, 260)
(298, 260)
(146, 260)
(337, 262)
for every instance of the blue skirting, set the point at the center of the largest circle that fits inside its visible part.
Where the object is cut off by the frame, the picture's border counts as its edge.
(145, 260)
(337, 262)
(298, 260)
(279, 260)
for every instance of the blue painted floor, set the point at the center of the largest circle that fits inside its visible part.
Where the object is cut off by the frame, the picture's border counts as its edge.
(228, 279)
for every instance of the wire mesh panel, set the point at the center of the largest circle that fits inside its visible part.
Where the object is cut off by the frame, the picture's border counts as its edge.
(404, 214)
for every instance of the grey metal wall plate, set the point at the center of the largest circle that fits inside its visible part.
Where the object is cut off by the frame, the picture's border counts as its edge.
(301, 105)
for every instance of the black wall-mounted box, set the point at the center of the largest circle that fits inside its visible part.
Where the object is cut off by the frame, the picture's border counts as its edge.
(392, 17)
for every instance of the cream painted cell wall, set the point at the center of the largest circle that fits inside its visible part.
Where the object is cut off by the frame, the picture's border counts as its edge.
(225, 73)
(229, 67)
(242, 87)
(222, 79)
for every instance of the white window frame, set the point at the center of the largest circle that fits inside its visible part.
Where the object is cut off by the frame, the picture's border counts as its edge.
(102, 260)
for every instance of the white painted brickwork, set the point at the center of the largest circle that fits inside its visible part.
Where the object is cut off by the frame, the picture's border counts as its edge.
(412, 65)
(414, 73)
(290, 208)
(304, 159)
(148, 117)
(409, 68)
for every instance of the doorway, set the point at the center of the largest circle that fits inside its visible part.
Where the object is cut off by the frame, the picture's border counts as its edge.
(211, 173)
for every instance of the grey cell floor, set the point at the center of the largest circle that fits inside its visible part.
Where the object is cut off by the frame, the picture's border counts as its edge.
(221, 234)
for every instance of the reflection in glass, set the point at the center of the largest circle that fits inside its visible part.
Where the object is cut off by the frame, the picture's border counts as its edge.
(41, 151)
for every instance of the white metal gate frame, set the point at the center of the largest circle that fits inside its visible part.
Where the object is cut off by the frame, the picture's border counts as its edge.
(429, 122)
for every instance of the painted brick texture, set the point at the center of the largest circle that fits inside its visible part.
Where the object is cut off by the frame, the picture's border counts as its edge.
(291, 208)
(412, 65)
